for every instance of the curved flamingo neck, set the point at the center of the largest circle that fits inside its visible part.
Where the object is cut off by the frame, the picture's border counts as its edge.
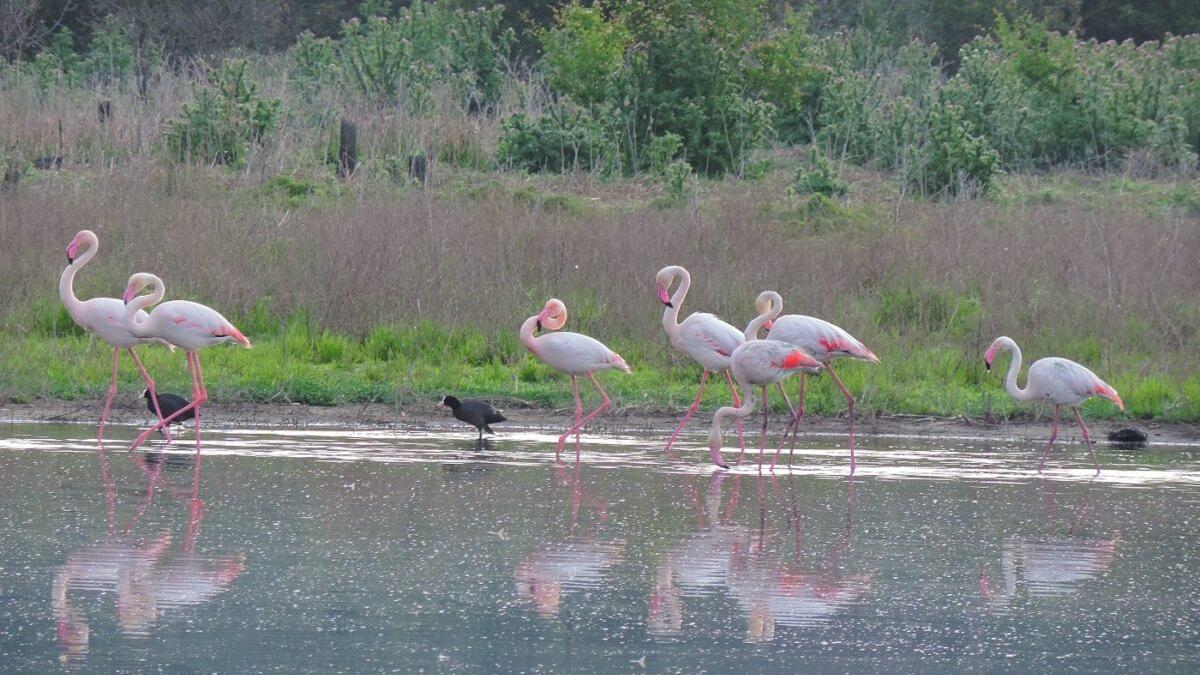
(1014, 367)
(139, 303)
(66, 282)
(744, 410)
(671, 314)
(770, 313)
(526, 333)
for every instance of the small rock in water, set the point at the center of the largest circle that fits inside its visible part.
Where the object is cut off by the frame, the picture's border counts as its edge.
(1130, 435)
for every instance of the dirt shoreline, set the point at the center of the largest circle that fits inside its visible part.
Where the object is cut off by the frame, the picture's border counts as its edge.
(621, 420)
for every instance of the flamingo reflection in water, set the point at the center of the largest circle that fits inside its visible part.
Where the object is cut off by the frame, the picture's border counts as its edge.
(1054, 564)
(771, 587)
(147, 577)
(577, 562)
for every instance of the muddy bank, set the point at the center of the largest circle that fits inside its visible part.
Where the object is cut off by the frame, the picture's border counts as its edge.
(621, 420)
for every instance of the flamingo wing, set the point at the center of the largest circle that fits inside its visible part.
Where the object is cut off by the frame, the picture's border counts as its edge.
(192, 325)
(1069, 383)
(709, 340)
(577, 354)
(821, 339)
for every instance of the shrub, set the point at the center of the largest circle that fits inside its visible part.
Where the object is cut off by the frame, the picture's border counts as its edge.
(584, 53)
(819, 177)
(565, 141)
(226, 116)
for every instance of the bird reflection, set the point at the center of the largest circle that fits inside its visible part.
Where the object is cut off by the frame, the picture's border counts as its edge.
(772, 586)
(1052, 564)
(148, 576)
(579, 561)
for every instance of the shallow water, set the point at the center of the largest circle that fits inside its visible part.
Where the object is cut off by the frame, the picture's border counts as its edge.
(352, 551)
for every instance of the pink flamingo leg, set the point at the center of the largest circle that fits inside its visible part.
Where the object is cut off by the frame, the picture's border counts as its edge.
(562, 440)
(112, 390)
(762, 437)
(199, 396)
(153, 393)
(604, 405)
(578, 415)
(850, 413)
(1053, 435)
(1086, 439)
(688, 415)
(797, 417)
(737, 402)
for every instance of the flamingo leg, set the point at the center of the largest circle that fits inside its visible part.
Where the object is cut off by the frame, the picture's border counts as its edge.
(792, 425)
(737, 403)
(798, 416)
(605, 404)
(850, 414)
(166, 431)
(1086, 439)
(762, 437)
(562, 440)
(1053, 435)
(688, 415)
(112, 390)
(196, 418)
(199, 396)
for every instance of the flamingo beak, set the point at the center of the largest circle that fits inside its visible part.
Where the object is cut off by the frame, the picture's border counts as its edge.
(128, 295)
(768, 324)
(539, 326)
(987, 365)
(71, 251)
(663, 297)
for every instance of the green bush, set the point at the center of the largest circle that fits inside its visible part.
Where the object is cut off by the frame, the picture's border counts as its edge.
(819, 177)
(226, 117)
(566, 141)
(952, 160)
(391, 56)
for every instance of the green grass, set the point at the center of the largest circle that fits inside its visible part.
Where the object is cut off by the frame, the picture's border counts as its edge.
(292, 361)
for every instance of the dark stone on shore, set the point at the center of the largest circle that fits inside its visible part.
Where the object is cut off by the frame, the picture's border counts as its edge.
(1128, 436)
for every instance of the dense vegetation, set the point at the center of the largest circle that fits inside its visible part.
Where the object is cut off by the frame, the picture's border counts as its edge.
(1022, 181)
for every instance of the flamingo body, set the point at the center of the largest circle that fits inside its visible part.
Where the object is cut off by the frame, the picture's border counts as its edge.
(702, 336)
(190, 325)
(820, 339)
(577, 354)
(758, 363)
(708, 340)
(104, 317)
(1057, 380)
(573, 354)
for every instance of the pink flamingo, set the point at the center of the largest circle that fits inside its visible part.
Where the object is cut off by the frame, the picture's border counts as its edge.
(757, 363)
(187, 325)
(707, 339)
(1060, 381)
(573, 354)
(824, 342)
(103, 317)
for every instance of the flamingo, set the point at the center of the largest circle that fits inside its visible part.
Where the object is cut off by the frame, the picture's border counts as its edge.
(187, 325)
(1060, 381)
(103, 317)
(758, 363)
(824, 342)
(573, 354)
(704, 337)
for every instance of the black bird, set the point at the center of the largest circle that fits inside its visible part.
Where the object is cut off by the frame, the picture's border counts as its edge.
(478, 414)
(169, 403)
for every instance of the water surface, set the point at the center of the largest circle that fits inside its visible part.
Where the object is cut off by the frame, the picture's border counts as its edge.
(350, 551)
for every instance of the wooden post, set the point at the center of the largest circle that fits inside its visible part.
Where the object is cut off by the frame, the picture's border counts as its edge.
(347, 149)
(418, 167)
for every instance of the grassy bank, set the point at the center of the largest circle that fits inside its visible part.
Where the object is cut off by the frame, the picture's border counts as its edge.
(367, 291)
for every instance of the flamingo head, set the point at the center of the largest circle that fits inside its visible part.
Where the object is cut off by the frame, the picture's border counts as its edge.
(136, 283)
(998, 345)
(553, 315)
(664, 279)
(85, 238)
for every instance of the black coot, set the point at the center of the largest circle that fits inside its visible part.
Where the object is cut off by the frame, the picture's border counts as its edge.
(170, 404)
(478, 414)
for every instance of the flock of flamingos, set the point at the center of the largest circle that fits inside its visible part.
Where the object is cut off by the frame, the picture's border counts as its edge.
(794, 345)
